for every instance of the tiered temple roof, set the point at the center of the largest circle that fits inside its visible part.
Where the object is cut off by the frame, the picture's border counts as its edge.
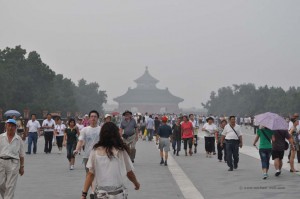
(147, 92)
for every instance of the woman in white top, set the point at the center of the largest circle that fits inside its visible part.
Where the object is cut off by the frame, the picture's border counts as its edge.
(109, 164)
(210, 130)
(59, 131)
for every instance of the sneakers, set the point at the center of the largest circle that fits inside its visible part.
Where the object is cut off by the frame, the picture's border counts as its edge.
(59, 152)
(277, 173)
(72, 167)
(265, 176)
(166, 164)
(230, 169)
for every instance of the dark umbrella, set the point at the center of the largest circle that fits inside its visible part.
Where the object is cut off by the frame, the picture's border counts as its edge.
(11, 113)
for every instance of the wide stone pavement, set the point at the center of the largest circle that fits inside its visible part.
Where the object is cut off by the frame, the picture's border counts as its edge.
(48, 176)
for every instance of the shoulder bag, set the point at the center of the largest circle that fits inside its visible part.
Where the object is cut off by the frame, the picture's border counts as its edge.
(235, 133)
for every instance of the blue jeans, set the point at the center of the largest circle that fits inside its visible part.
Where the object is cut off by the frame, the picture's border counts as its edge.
(32, 138)
(265, 155)
(71, 146)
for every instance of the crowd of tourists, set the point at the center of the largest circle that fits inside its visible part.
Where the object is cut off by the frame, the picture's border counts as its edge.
(109, 145)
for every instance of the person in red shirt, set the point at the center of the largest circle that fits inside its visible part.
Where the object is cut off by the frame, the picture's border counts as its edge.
(187, 134)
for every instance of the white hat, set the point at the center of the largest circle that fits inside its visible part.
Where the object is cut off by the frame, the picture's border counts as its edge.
(107, 115)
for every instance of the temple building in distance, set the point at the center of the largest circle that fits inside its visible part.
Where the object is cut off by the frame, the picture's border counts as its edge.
(146, 97)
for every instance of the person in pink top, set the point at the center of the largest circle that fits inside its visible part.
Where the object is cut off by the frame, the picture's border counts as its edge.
(187, 134)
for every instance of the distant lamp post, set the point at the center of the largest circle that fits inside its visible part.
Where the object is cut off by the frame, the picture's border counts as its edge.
(45, 113)
(26, 113)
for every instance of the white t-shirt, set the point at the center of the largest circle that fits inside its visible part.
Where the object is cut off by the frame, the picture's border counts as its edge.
(50, 123)
(109, 172)
(230, 134)
(211, 128)
(60, 129)
(90, 136)
(80, 126)
(33, 126)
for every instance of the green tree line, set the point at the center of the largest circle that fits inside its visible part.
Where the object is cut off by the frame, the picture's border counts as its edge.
(27, 82)
(247, 100)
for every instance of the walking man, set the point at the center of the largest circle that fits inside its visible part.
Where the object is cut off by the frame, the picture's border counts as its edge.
(11, 159)
(32, 129)
(233, 136)
(89, 136)
(150, 127)
(48, 126)
(130, 133)
(164, 133)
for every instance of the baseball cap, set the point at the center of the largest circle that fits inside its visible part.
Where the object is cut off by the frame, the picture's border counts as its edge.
(164, 119)
(107, 115)
(12, 121)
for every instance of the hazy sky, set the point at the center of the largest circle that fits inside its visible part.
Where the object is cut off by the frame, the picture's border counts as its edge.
(191, 46)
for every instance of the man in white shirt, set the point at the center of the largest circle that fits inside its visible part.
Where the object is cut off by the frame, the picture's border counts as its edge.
(11, 159)
(89, 136)
(32, 129)
(48, 126)
(150, 127)
(233, 136)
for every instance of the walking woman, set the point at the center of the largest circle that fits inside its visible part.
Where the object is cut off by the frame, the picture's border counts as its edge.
(59, 130)
(210, 130)
(265, 148)
(176, 140)
(295, 135)
(187, 132)
(218, 141)
(70, 141)
(109, 164)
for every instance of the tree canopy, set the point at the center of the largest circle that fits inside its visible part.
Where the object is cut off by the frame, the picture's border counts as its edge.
(27, 82)
(247, 100)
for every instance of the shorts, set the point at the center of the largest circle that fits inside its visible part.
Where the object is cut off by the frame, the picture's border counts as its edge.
(164, 144)
(277, 154)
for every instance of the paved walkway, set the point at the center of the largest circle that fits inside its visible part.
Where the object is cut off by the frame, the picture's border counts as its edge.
(48, 176)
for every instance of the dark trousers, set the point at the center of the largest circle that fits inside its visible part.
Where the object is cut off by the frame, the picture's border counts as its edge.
(232, 149)
(32, 139)
(150, 134)
(196, 140)
(176, 143)
(48, 135)
(255, 129)
(59, 141)
(71, 146)
(187, 141)
(220, 151)
(209, 144)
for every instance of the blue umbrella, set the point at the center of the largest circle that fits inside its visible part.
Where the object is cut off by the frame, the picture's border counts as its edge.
(11, 113)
